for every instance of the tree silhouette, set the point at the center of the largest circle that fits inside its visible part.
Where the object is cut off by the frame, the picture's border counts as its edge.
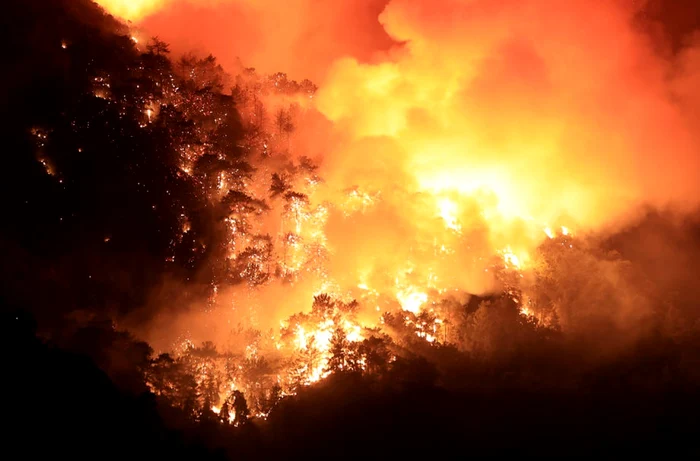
(376, 354)
(280, 185)
(225, 412)
(202, 75)
(240, 407)
(158, 47)
(338, 350)
(323, 306)
(254, 263)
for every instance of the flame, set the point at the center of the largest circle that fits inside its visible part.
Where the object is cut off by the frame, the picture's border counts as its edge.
(513, 260)
(411, 300)
(448, 212)
(132, 10)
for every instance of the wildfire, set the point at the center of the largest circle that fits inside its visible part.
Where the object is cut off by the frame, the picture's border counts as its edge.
(473, 144)
(440, 215)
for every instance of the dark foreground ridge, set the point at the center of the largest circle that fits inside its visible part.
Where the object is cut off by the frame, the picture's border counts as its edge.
(59, 403)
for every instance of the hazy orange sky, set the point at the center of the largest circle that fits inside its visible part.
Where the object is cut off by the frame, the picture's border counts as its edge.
(303, 37)
(299, 37)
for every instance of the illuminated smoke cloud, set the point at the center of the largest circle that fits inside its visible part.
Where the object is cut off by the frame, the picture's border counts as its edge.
(133, 10)
(299, 37)
(515, 115)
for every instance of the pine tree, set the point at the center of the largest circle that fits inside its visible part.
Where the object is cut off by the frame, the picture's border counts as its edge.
(240, 408)
(339, 351)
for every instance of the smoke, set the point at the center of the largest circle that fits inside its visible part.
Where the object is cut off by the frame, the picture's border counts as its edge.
(559, 109)
(543, 113)
(299, 37)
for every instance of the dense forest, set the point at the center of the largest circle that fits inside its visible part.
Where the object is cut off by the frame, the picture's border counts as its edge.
(127, 167)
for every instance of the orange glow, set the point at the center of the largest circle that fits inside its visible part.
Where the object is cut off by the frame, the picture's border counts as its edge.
(132, 10)
(459, 140)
